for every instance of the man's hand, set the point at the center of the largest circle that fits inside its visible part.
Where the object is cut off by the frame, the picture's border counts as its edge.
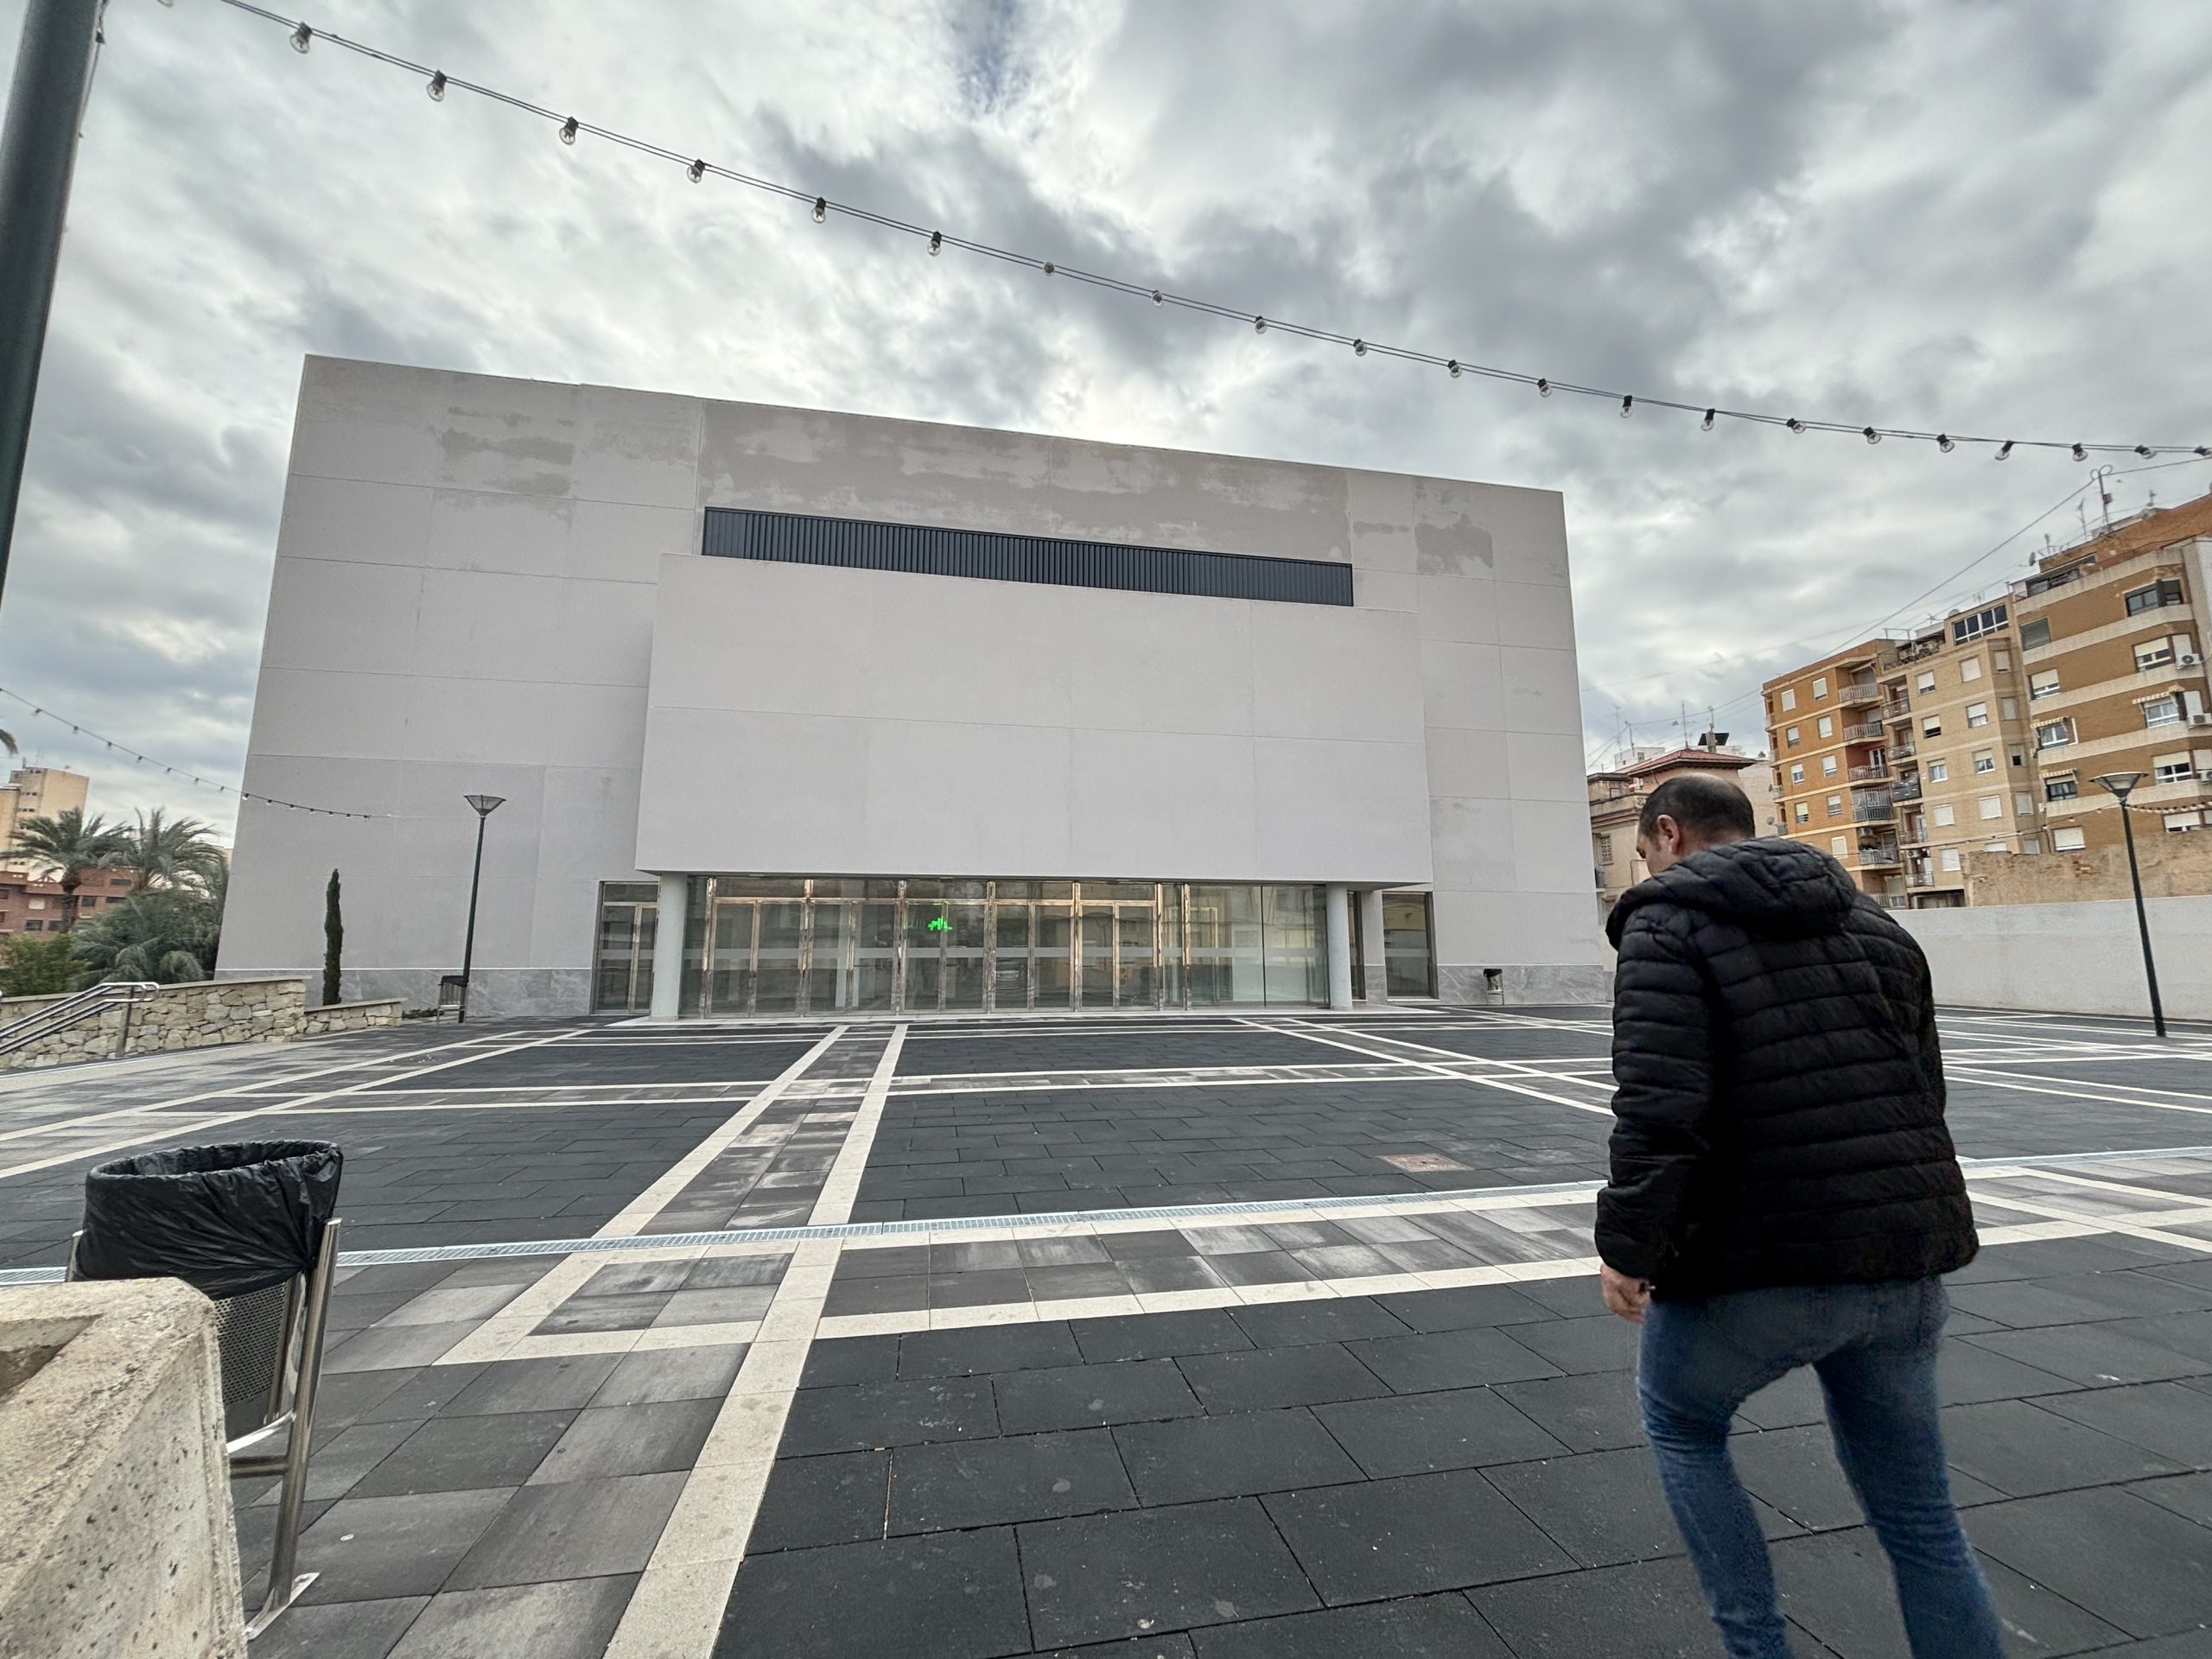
(1624, 1295)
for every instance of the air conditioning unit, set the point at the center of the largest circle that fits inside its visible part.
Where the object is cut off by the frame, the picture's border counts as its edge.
(2190, 659)
(2200, 720)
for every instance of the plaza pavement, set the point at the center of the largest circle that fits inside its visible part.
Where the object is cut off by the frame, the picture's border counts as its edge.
(1241, 1334)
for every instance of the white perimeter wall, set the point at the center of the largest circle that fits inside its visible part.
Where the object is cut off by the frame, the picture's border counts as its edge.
(2084, 959)
(464, 599)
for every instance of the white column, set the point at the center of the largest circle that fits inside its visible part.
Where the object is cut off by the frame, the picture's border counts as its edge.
(1370, 943)
(668, 946)
(1339, 947)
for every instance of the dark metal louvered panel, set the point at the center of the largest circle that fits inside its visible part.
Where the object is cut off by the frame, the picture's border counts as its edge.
(920, 549)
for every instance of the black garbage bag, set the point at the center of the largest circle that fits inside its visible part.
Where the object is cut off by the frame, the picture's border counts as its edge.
(225, 1219)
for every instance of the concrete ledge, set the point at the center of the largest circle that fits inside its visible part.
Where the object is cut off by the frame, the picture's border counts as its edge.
(116, 1539)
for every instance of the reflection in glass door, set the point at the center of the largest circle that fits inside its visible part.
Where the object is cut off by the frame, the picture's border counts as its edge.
(622, 967)
(1098, 990)
(1050, 964)
(1010, 920)
(775, 974)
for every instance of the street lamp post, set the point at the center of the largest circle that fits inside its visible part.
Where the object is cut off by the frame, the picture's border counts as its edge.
(2121, 785)
(484, 804)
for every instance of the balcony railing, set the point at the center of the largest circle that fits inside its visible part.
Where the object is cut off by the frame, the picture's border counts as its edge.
(1871, 733)
(1905, 789)
(1873, 810)
(1879, 857)
(1901, 745)
(1895, 709)
(1855, 694)
(1872, 772)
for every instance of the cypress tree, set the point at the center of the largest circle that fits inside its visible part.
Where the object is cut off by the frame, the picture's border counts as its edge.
(333, 940)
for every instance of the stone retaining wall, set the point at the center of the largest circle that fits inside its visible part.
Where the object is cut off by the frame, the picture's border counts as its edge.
(203, 1014)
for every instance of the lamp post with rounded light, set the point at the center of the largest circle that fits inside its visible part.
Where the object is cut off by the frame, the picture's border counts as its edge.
(484, 804)
(2121, 785)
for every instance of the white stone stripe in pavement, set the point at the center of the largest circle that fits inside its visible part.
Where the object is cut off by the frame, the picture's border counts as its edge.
(843, 1185)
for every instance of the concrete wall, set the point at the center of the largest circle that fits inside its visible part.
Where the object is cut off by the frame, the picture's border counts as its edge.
(2073, 959)
(466, 597)
(208, 1014)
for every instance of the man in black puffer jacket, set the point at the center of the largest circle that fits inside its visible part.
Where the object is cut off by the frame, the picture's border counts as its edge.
(1784, 1193)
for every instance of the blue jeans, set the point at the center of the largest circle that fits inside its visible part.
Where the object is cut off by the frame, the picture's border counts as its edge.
(1874, 1349)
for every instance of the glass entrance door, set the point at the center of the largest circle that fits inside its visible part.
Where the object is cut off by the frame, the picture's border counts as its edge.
(622, 966)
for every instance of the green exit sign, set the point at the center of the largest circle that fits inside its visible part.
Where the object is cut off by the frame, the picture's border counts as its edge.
(939, 924)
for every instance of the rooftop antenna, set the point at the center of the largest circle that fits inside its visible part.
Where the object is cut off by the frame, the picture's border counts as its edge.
(2103, 475)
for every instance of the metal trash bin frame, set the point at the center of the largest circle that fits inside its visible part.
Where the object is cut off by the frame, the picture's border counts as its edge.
(289, 1353)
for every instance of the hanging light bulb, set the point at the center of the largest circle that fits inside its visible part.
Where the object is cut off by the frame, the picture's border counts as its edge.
(1943, 442)
(1259, 325)
(1871, 434)
(568, 129)
(1628, 405)
(1543, 388)
(1159, 298)
(937, 243)
(2080, 453)
(821, 208)
(1706, 425)
(696, 172)
(2005, 450)
(1794, 424)
(2204, 452)
(437, 87)
(1050, 267)
(1453, 368)
(1359, 348)
(302, 38)
(2144, 450)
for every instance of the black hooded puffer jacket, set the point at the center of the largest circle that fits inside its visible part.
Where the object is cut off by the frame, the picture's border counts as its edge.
(1779, 1115)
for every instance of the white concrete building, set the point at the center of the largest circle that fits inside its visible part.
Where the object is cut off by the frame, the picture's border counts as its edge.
(899, 715)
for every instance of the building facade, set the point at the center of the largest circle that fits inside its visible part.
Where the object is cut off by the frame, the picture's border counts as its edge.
(1616, 803)
(2113, 635)
(34, 905)
(1827, 736)
(795, 712)
(37, 792)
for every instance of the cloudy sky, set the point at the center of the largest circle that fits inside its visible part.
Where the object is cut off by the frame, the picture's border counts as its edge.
(1981, 217)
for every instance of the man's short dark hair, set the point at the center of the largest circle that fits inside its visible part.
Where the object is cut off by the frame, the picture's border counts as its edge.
(1708, 809)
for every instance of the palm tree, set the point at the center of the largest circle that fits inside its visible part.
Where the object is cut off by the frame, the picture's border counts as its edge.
(168, 935)
(171, 852)
(68, 846)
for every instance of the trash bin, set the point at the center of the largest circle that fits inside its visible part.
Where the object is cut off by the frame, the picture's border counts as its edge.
(226, 1219)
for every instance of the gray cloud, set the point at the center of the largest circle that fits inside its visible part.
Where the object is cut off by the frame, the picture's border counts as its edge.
(1955, 215)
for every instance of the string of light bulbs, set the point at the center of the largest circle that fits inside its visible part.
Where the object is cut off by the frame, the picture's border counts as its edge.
(40, 711)
(568, 128)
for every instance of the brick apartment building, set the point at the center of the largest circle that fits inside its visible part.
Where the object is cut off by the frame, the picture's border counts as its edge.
(1826, 733)
(1617, 801)
(28, 905)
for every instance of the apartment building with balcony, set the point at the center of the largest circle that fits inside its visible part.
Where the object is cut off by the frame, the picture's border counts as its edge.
(1953, 706)
(1828, 737)
(1616, 803)
(2112, 645)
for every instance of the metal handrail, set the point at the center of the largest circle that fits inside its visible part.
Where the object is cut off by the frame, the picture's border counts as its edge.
(86, 1004)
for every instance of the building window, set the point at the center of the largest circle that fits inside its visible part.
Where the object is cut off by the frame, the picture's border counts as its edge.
(1977, 714)
(2162, 711)
(1840, 845)
(2034, 632)
(1950, 858)
(1970, 670)
(1942, 817)
(1993, 806)
(1791, 736)
(1931, 725)
(34, 927)
(2172, 768)
(1797, 771)
(2024, 802)
(2160, 593)
(37, 903)
(1820, 689)
(2062, 786)
(1835, 806)
(1926, 680)
(1826, 726)
(2054, 734)
(1985, 760)
(1789, 698)
(1604, 849)
(2068, 841)
(2001, 661)
(2154, 653)
(1939, 772)
(2177, 822)
(1804, 812)
(1828, 765)
(2032, 843)
(1988, 620)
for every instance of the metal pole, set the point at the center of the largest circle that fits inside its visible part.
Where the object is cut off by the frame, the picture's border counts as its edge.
(2142, 919)
(468, 944)
(38, 151)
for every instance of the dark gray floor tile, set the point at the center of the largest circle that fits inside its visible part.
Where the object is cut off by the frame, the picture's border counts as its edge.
(995, 1483)
(2088, 1355)
(1306, 1235)
(510, 1385)
(1966, 1375)
(843, 1360)
(1595, 1412)
(2189, 1496)
(837, 1499)
(383, 1348)
(1458, 1428)
(1082, 1396)
(1605, 1507)
(908, 1412)
(345, 1630)
(1410, 1536)
(1268, 1377)
(732, 1272)
(339, 1463)
(1177, 1646)
(1451, 1359)
(640, 1379)
(1236, 1456)
(1464, 1307)
(978, 1289)
(1838, 1586)
(1108, 1577)
(1080, 1279)
(2022, 1450)
(374, 1548)
(1424, 1627)
(884, 1295)
(635, 1278)
(1061, 1252)
(988, 1255)
(1260, 1267)
(982, 1349)
(1344, 1262)
(423, 1392)
(1277, 1325)
(902, 1261)
(2128, 1562)
(1571, 1296)
(580, 1529)
(452, 1455)
(1603, 1343)
(1650, 1611)
(573, 1619)
(1159, 1336)
(630, 1312)
(1138, 1246)
(644, 1439)
(950, 1595)
(744, 1302)
(1154, 1275)
(2170, 1419)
